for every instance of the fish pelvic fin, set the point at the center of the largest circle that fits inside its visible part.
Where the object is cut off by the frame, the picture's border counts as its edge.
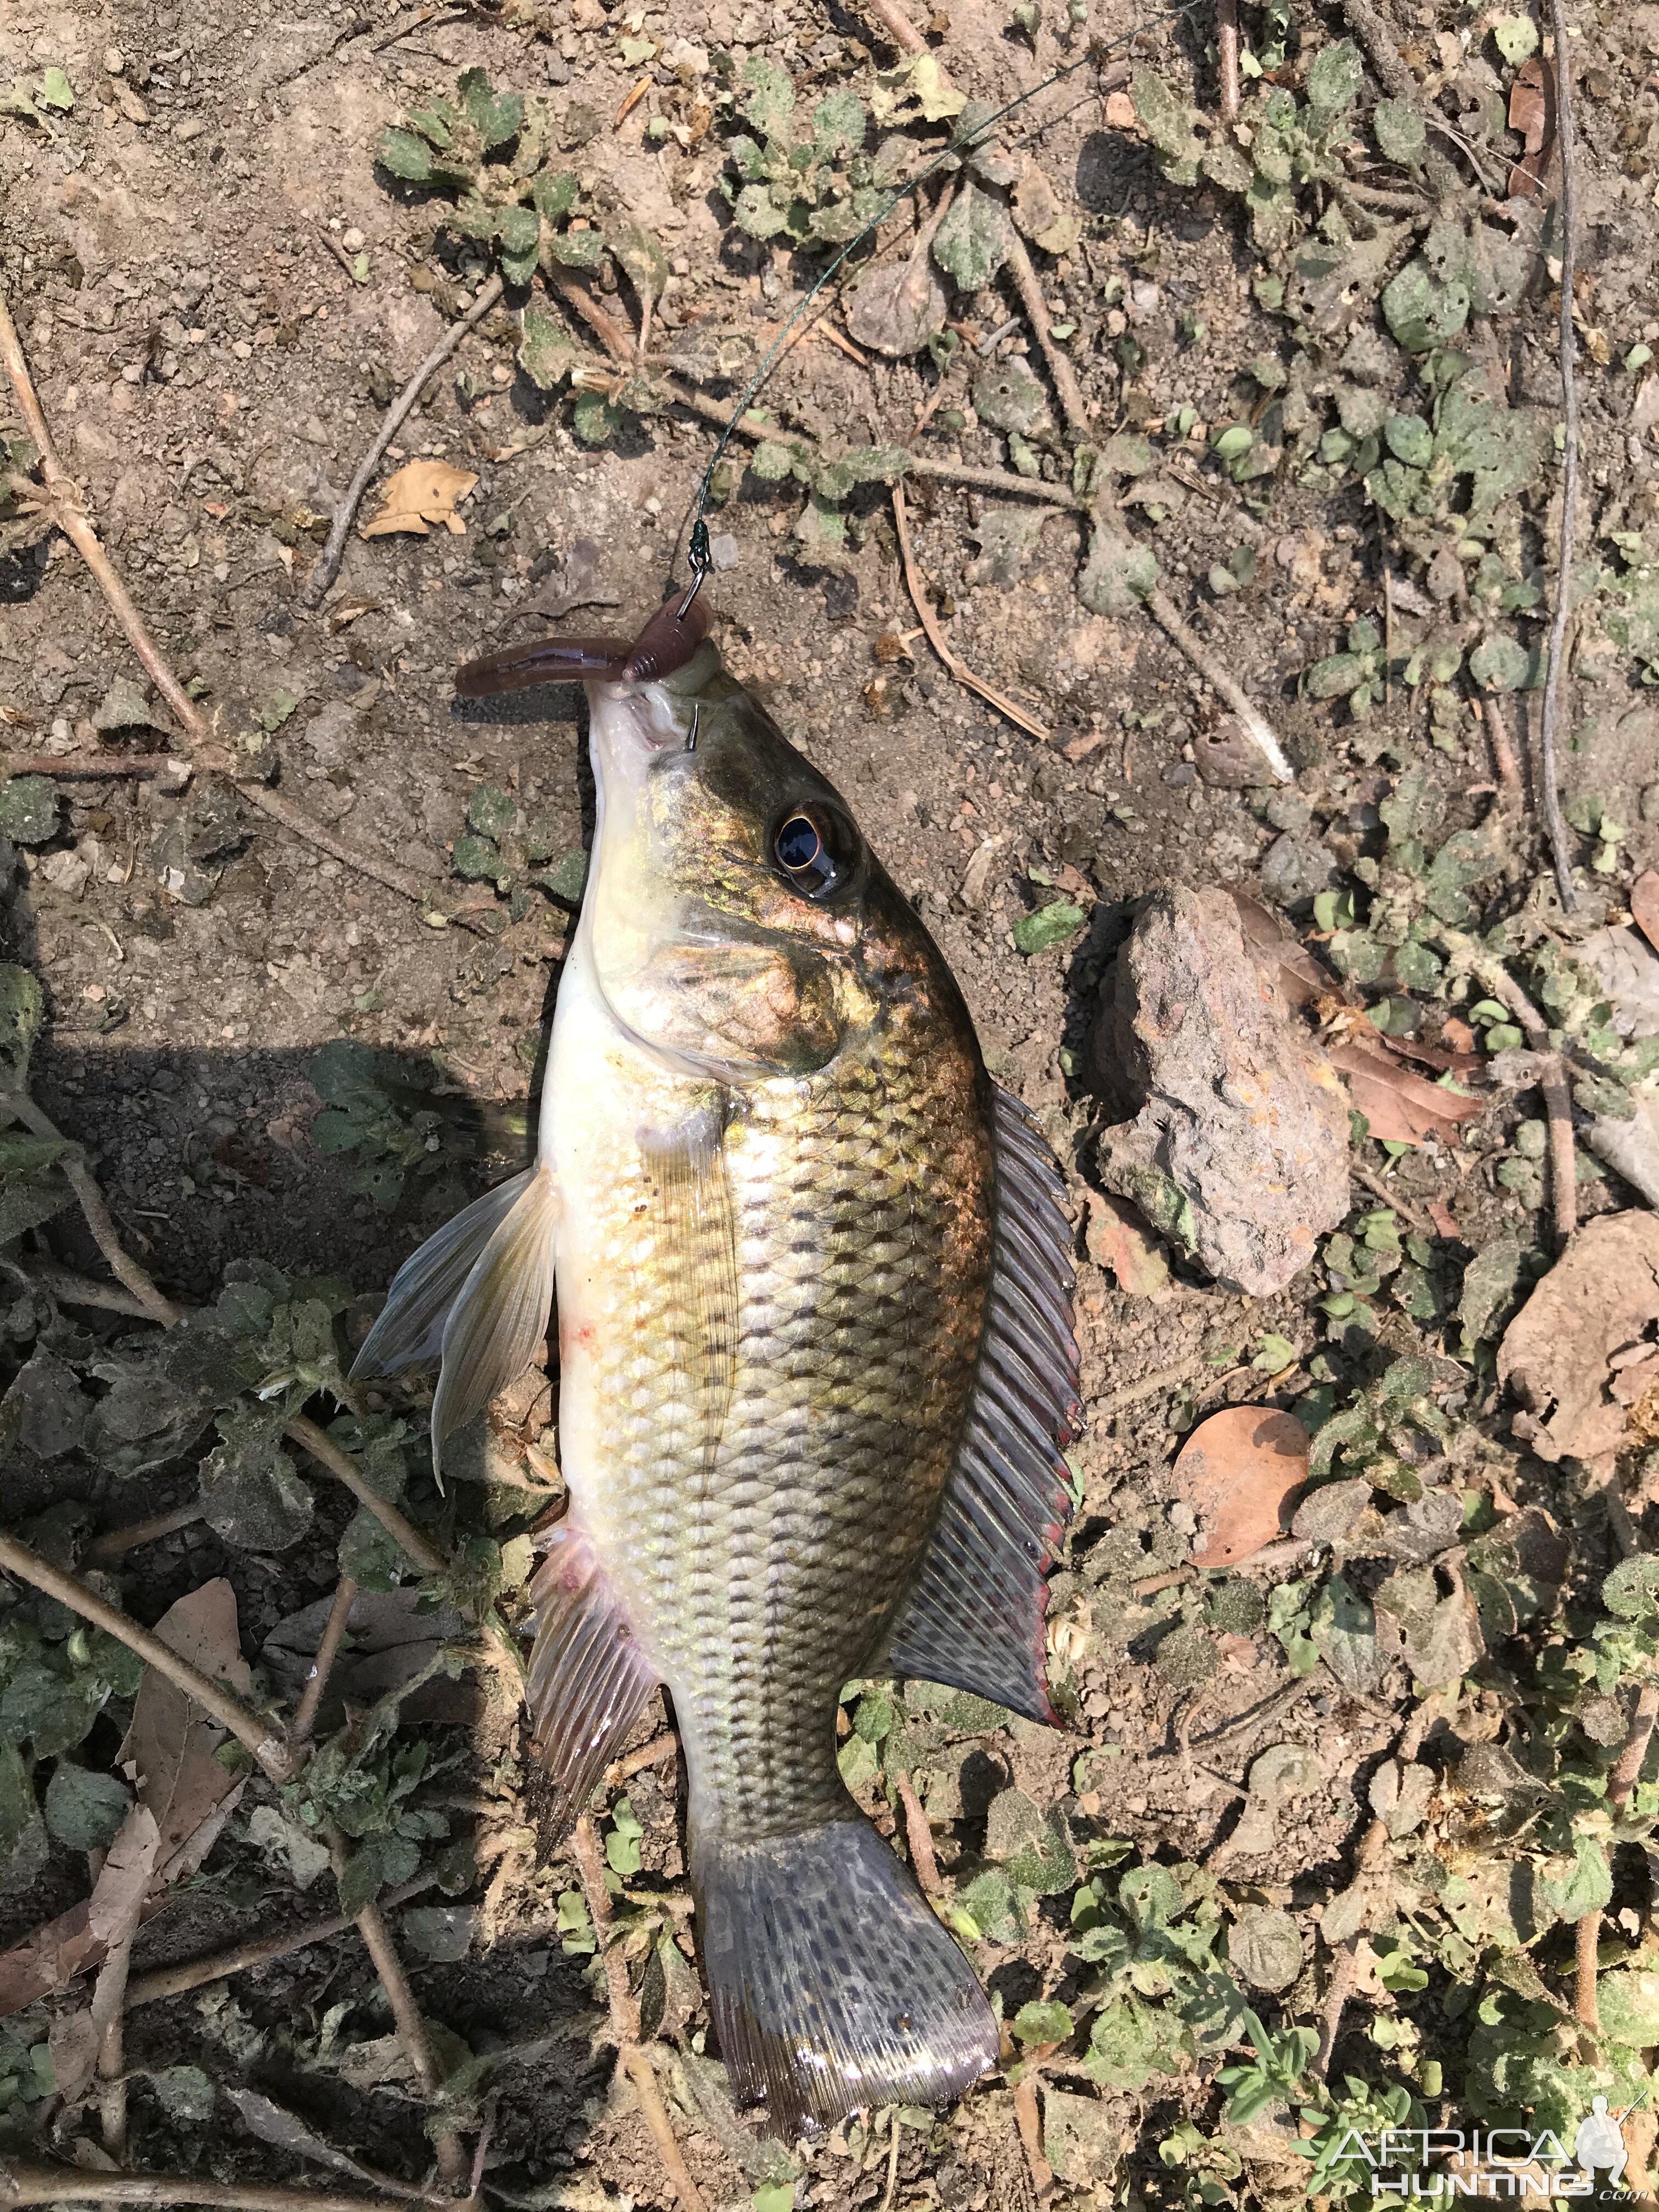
(409, 1329)
(976, 1618)
(500, 1313)
(832, 1982)
(587, 1680)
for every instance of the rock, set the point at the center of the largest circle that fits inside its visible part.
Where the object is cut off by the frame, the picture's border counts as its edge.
(1238, 1151)
(66, 872)
(1081, 2139)
(1295, 866)
(1226, 758)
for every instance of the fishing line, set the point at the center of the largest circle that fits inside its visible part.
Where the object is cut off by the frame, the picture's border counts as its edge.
(698, 558)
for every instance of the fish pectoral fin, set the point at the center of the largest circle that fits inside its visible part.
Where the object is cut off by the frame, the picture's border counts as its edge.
(409, 1329)
(499, 1315)
(974, 1619)
(587, 1680)
(831, 1981)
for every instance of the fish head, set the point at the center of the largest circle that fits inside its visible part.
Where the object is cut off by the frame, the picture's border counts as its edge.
(739, 925)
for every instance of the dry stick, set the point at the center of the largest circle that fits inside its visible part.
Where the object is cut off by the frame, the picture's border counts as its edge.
(1067, 389)
(68, 511)
(326, 568)
(919, 1838)
(423, 893)
(1370, 1853)
(617, 342)
(1226, 32)
(1586, 1932)
(117, 1542)
(327, 1453)
(635, 1762)
(1558, 1097)
(1372, 33)
(1627, 1767)
(453, 2161)
(267, 1747)
(102, 768)
(898, 26)
(70, 1289)
(625, 2018)
(964, 674)
(1030, 2136)
(21, 2185)
(1503, 751)
(328, 1650)
(82, 1184)
(1586, 1940)
(1548, 795)
(1259, 730)
(241, 1958)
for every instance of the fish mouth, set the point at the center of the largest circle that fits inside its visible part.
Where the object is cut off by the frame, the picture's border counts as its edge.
(633, 724)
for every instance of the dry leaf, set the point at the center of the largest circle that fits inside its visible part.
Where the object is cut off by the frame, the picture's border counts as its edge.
(1600, 1297)
(114, 1908)
(1239, 1471)
(1402, 1108)
(1645, 906)
(421, 493)
(1444, 1221)
(1532, 112)
(896, 310)
(73, 2041)
(1118, 1240)
(1287, 966)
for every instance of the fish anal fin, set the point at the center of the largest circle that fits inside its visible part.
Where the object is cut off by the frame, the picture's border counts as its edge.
(974, 1619)
(587, 1680)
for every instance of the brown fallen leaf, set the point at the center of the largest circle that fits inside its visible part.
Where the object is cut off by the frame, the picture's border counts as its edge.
(1645, 906)
(1600, 1297)
(1239, 1471)
(420, 494)
(1532, 112)
(1286, 964)
(1445, 1226)
(1402, 1108)
(1118, 1240)
(73, 2042)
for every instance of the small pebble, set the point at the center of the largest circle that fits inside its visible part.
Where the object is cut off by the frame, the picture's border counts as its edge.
(723, 552)
(191, 127)
(353, 240)
(114, 60)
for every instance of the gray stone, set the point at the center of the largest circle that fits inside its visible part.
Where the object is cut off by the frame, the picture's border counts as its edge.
(1295, 866)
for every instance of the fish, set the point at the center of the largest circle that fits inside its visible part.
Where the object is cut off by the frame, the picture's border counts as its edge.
(817, 1363)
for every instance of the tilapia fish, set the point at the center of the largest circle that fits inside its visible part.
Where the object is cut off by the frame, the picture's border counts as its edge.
(816, 1367)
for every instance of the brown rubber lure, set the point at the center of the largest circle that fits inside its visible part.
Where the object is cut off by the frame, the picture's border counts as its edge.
(666, 643)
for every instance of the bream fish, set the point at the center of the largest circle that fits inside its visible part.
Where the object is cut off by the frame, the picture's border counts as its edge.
(815, 1360)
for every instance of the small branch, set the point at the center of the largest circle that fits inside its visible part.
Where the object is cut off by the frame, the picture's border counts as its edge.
(91, 1199)
(625, 2016)
(423, 892)
(328, 1650)
(925, 615)
(70, 1289)
(1030, 2136)
(117, 1542)
(1503, 751)
(1586, 1938)
(897, 25)
(1226, 32)
(1552, 1083)
(21, 2185)
(323, 1449)
(1567, 348)
(242, 1958)
(1627, 1767)
(1067, 389)
(101, 768)
(327, 566)
(920, 1837)
(635, 1762)
(68, 511)
(1259, 730)
(260, 1739)
(617, 342)
(1372, 33)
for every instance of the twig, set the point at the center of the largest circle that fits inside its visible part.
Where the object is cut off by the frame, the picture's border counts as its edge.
(336, 250)
(21, 2185)
(1586, 1941)
(1548, 795)
(1403, 1206)
(1030, 2136)
(242, 1958)
(1259, 730)
(920, 1837)
(1552, 1083)
(1392, 73)
(1371, 1849)
(82, 1182)
(1067, 389)
(1627, 1767)
(266, 1746)
(1503, 752)
(1149, 1385)
(326, 568)
(423, 892)
(964, 674)
(132, 1855)
(1226, 32)
(100, 768)
(625, 2016)
(116, 1543)
(898, 26)
(1150, 1585)
(635, 1762)
(343, 1467)
(453, 2161)
(328, 1650)
(68, 511)
(891, 2190)
(617, 342)
(70, 1289)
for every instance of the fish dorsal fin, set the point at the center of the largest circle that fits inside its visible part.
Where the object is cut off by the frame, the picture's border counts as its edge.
(974, 1619)
(696, 1264)
(587, 1680)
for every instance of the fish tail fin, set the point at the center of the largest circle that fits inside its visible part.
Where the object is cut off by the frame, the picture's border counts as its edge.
(832, 1982)
(476, 1296)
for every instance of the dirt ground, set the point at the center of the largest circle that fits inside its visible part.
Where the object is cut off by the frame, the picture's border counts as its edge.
(176, 251)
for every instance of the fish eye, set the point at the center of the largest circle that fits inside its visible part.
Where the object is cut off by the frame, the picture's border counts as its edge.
(816, 849)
